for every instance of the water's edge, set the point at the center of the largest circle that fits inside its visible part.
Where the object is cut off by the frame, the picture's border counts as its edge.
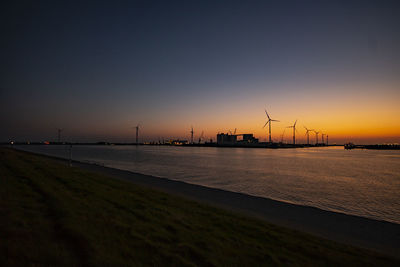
(378, 235)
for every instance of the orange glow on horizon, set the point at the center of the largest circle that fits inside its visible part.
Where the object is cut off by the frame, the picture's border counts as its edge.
(370, 117)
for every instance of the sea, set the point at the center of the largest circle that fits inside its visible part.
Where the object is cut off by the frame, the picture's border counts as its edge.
(359, 182)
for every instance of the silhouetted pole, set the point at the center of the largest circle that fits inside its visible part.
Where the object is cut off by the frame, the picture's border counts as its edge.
(70, 155)
(137, 134)
(323, 138)
(191, 134)
(294, 132)
(270, 132)
(283, 135)
(59, 135)
(294, 135)
(327, 140)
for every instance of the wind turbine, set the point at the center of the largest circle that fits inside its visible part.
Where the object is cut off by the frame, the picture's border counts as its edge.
(322, 135)
(316, 136)
(191, 133)
(308, 135)
(137, 133)
(269, 122)
(294, 132)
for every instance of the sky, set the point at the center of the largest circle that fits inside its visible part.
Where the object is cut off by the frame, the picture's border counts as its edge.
(97, 69)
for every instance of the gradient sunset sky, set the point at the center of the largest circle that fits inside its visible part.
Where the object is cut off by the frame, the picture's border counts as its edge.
(98, 68)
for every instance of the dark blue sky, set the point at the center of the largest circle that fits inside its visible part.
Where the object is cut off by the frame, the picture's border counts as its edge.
(96, 68)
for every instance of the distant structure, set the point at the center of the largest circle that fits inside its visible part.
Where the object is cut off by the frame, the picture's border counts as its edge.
(191, 134)
(327, 140)
(137, 133)
(283, 134)
(232, 139)
(316, 137)
(322, 137)
(177, 142)
(59, 134)
(201, 137)
(269, 122)
(294, 132)
(248, 138)
(226, 139)
(308, 135)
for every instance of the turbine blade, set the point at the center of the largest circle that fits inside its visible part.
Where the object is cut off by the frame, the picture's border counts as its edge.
(267, 114)
(295, 123)
(265, 124)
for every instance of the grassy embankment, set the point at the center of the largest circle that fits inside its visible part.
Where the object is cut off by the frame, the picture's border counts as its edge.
(55, 215)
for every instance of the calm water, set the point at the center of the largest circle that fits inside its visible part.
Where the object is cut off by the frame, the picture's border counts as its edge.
(359, 182)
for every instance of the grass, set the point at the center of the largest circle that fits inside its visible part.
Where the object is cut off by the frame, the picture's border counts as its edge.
(52, 214)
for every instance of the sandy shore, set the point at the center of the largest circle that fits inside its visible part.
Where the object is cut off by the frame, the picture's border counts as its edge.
(353, 230)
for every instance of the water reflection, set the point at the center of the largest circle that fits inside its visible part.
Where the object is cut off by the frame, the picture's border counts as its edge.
(360, 182)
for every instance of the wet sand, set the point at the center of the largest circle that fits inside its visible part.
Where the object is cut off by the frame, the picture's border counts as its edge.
(372, 234)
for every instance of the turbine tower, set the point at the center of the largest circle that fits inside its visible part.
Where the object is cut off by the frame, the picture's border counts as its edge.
(137, 133)
(316, 136)
(191, 134)
(308, 135)
(327, 140)
(294, 132)
(269, 122)
(322, 135)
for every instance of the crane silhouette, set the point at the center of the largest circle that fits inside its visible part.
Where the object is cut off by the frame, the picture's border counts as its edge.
(201, 136)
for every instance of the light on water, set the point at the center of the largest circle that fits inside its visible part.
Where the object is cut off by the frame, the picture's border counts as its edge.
(359, 182)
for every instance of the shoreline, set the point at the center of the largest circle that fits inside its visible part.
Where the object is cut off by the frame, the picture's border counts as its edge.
(381, 236)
